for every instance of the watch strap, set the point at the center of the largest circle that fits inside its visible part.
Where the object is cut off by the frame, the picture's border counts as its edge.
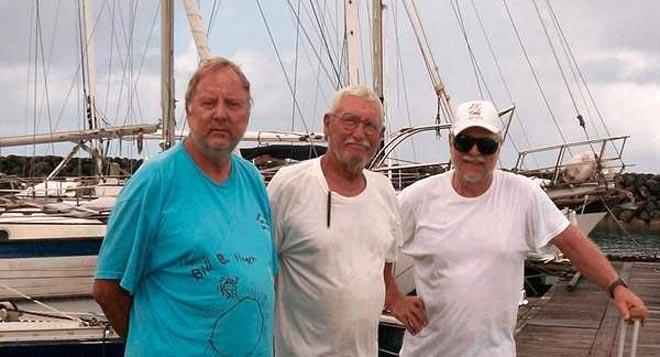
(614, 284)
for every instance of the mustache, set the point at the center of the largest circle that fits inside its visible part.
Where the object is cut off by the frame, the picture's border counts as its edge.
(478, 159)
(363, 143)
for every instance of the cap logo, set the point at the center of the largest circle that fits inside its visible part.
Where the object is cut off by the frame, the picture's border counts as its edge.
(475, 109)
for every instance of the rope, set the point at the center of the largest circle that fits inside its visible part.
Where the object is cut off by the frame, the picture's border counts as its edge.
(536, 79)
(573, 72)
(646, 250)
(579, 71)
(461, 26)
(279, 59)
(40, 303)
(561, 70)
(502, 78)
(399, 65)
(295, 74)
(325, 44)
(387, 352)
(214, 13)
(44, 72)
(316, 53)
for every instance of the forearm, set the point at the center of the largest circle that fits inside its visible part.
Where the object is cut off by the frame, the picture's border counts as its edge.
(585, 256)
(392, 292)
(115, 303)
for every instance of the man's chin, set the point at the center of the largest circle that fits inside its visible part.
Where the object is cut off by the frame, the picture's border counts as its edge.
(221, 144)
(473, 178)
(356, 161)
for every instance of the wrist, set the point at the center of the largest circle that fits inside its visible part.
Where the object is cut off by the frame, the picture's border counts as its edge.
(614, 284)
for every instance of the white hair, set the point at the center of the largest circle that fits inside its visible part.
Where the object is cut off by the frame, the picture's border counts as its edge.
(358, 91)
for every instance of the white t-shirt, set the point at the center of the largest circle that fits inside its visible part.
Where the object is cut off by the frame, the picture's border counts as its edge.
(468, 256)
(330, 288)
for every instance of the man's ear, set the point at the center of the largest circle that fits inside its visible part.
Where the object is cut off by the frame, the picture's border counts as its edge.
(326, 124)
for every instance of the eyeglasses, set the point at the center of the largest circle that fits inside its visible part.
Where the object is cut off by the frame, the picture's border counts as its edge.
(486, 146)
(351, 122)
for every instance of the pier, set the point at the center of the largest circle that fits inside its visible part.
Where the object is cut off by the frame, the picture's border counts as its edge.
(585, 322)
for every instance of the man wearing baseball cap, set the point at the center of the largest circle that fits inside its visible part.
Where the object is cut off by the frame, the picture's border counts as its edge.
(468, 231)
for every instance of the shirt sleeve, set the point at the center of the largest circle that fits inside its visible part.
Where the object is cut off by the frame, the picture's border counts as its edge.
(391, 255)
(406, 218)
(274, 261)
(544, 221)
(132, 224)
(274, 195)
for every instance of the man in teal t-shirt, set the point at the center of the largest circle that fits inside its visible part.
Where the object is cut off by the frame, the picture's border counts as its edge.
(187, 267)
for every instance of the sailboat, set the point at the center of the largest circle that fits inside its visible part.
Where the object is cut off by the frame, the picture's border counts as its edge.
(384, 162)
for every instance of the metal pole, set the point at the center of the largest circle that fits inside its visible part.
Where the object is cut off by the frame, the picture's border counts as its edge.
(91, 84)
(352, 36)
(167, 74)
(377, 47)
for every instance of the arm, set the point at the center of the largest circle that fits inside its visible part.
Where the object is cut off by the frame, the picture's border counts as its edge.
(115, 302)
(588, 259)
(409, 310)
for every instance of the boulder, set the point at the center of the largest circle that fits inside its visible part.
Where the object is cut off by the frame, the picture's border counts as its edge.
(654, 223)
(627, 215)
(637, 223)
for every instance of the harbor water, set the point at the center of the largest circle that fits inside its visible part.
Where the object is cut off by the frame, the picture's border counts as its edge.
(639, 243)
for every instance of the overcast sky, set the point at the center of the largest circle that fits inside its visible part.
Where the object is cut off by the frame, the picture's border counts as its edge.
(616, 45)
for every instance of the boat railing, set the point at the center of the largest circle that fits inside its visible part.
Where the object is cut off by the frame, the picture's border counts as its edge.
(607, 163)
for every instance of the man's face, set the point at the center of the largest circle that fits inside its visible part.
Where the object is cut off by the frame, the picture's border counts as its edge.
(473, 167)
(353, 131)
(219, 111)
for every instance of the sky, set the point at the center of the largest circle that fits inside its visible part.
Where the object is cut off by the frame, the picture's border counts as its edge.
(616, 46)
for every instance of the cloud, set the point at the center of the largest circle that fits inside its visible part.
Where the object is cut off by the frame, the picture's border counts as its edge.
(633, 109)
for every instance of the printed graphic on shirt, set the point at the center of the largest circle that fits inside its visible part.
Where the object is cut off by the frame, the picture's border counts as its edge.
(253, 329)
(243, 306)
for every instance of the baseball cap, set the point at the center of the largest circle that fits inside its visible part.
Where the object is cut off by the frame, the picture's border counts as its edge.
(476, 113)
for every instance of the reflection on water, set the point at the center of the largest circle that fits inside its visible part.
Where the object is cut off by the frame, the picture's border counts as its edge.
(642, 241)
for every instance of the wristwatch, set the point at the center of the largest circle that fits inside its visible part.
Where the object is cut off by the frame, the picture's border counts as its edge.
(613, 285)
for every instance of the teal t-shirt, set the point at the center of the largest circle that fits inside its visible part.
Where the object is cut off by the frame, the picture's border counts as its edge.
(197, 257)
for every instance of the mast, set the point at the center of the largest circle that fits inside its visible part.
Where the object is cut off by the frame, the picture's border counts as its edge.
(353, 56)
(431, 67)
(90, 85)
(197, 29)
(377, 47)
(167, 73)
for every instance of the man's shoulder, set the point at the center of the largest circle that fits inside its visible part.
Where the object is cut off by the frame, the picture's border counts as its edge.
(246, 166)
(514, 181)
(378, 179)
(294, 173)
(161, 160)
(423, 186)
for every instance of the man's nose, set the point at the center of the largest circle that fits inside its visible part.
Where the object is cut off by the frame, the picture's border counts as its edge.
(474, 150)
(220, 111)
(359, 131)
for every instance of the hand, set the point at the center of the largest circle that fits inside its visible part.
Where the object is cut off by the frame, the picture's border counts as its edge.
(410, 311)
(626, 301)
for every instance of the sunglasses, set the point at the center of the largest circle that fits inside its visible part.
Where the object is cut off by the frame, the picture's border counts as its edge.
(486, 146)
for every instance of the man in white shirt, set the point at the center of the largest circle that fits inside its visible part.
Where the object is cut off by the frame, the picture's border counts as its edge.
(468, 231)
(336, 225)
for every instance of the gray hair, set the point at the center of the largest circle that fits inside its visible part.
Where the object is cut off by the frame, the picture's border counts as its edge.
(211, 65)
(358, 91)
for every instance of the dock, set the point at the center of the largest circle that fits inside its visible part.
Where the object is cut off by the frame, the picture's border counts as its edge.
(585, 322)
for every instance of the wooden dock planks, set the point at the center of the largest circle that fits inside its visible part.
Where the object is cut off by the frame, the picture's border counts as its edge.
(584, 322)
